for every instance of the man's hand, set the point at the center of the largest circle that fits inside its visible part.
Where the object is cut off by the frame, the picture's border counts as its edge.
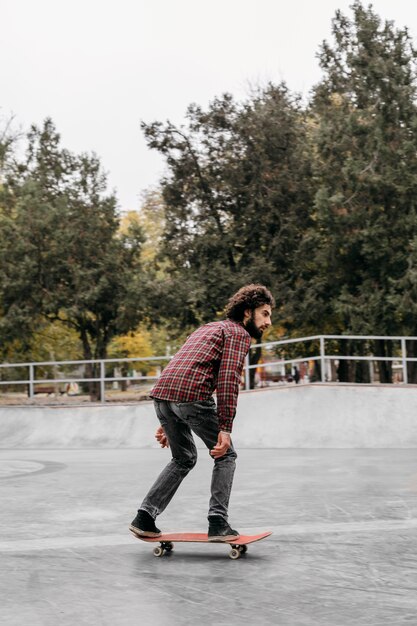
(161, 438)
(222, 445)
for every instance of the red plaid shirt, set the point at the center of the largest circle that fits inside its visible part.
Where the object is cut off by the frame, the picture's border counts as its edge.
(211, 359)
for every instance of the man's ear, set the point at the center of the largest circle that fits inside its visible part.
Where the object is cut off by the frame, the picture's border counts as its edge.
(247, 315)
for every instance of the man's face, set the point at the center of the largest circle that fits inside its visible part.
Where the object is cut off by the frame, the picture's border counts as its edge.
(258, 320)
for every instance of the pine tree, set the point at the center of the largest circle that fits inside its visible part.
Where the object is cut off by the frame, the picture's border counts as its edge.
(355, 257)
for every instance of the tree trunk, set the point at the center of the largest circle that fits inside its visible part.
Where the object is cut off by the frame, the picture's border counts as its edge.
(316, 375)
(384, 348)
(254, 357)
(412, 365)
(362, 367)
(344, 369)
(362, 372)
(91, 369)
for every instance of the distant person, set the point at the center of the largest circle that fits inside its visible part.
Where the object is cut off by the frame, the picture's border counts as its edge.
(296, 375)
(211, 359)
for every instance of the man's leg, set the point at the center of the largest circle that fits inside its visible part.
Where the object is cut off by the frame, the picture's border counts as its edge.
(184, 457)
(202, 419)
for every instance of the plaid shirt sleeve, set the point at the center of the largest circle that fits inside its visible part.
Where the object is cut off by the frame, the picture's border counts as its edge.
(235, 348)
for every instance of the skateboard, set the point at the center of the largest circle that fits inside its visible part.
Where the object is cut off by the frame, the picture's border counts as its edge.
(166, 542)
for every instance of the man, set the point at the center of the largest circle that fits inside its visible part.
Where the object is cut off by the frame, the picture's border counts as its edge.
(211, 359)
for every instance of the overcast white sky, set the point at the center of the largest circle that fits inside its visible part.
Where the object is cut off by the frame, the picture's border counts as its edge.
(99, 67)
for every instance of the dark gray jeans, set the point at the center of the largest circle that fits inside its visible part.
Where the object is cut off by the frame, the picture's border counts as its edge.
(179, 420)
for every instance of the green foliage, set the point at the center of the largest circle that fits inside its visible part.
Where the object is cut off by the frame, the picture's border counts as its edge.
(236, 199)
(62, 257)
(8, 138)
(355, 255)
(316, 201)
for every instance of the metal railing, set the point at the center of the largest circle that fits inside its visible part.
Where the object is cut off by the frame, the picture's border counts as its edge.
(277, 356)
(32, 380)
(400, 359)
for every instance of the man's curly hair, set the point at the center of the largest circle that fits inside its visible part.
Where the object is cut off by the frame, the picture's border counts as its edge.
(248, 297)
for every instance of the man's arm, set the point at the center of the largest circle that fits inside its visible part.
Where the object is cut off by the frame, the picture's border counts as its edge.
(235, 348)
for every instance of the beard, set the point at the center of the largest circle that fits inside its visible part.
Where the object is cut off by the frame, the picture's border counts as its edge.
(252, 328)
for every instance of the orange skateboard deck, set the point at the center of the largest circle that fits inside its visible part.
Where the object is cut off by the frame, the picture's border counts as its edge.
(166, 542)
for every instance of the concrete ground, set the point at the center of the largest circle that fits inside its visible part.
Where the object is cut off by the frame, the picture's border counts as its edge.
(343, 552)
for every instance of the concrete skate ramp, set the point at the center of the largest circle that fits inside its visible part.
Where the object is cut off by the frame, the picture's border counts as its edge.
(131, 426)
(304, 416)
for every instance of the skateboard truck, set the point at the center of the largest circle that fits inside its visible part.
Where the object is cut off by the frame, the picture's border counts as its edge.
(164, 546)
(235, 553)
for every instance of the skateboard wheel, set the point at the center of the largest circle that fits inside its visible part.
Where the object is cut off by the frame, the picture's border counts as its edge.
(234, 553)
(168, 546)
(158, 551)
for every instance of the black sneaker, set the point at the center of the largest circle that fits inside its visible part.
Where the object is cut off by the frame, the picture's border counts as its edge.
(219, 529)
(144, 526)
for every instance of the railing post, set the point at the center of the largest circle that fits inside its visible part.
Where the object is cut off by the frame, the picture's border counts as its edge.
(404, 360)
(102, 383)
(322, 360)
(247, 371)
(31, 381)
